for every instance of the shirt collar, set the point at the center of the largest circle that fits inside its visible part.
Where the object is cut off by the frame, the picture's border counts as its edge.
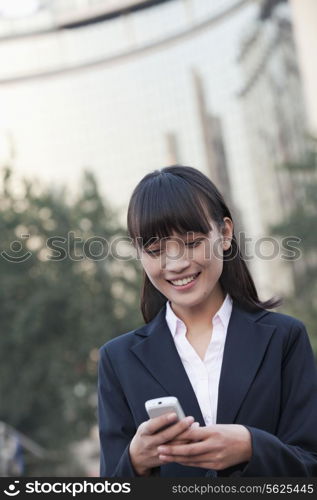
(223, 314)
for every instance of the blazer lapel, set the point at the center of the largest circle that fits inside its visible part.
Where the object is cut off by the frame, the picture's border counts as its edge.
(245, 346)
(159, 355)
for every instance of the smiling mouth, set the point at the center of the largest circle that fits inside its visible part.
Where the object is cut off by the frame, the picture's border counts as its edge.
(184, 281)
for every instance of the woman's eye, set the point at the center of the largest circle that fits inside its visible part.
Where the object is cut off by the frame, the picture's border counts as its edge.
(153, 252)
(194, 243)
(191, 244)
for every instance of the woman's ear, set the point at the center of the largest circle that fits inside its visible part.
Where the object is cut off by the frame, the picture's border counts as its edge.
(227, 233)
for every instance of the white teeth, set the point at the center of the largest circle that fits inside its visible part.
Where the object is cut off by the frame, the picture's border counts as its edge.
(184, 281)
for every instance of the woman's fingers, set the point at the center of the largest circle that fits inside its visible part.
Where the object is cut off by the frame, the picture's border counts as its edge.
(204, 457)
(174, 430)
(153, 425)
(182, 438)
(166, 428)
(178, 441)
(194, 433)
(194, 425)
(156, 428)
(185, 450)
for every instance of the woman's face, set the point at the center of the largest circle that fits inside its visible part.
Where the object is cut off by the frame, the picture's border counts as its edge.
(186, 268)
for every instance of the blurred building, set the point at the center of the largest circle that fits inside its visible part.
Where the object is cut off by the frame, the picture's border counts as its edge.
(213, 140)
(94, 75)
(274, 109)
(124, 87)
(13, 446)
(304, 17)
(275, 119)
(86, 453)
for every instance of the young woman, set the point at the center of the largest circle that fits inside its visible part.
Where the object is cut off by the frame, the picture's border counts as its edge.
(245, 374)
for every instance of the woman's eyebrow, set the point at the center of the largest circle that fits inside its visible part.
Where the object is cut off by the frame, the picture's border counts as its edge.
(149, 242)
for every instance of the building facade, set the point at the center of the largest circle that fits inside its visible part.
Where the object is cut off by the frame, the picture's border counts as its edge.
(84, 87)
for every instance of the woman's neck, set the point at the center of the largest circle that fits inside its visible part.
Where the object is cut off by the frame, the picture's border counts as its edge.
(199, 317)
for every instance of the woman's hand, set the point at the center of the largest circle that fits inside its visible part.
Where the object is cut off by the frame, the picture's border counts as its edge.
(143, 447)
(213, 447)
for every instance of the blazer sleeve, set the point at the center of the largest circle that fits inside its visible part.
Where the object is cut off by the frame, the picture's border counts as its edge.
(116, 423)
(292, 451)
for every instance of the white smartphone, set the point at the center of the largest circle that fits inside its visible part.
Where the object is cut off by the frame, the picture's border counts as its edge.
(159, 406)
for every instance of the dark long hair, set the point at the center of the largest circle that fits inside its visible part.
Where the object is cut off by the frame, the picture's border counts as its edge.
(183, 199)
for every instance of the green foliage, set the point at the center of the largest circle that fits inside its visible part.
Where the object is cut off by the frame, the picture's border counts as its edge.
(55, 314)
(301, 222)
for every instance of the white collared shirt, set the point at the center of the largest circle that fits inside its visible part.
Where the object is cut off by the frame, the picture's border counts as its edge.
(204, 374)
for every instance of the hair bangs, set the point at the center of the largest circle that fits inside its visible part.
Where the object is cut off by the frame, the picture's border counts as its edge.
(168, 204)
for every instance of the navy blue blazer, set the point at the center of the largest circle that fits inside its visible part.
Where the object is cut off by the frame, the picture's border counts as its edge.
(268, 383)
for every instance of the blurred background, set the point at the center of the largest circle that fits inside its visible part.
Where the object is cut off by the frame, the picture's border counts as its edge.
(94, 94)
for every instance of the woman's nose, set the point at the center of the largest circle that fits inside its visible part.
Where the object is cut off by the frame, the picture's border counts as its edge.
(175, 260)
(174, 268)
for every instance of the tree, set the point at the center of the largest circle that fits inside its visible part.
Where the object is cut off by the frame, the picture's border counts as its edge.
(59, 302)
